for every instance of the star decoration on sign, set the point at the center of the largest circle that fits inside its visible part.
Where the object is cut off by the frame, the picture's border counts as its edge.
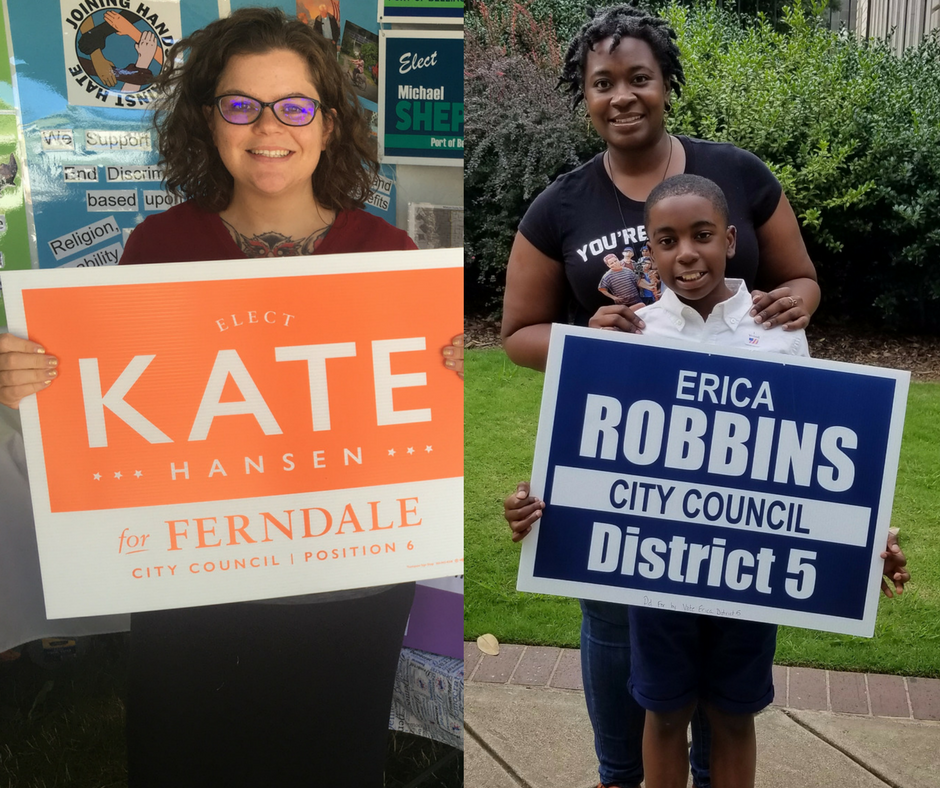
(97, 477)
(391, 452)
(411, 450)
(117, 474)
(428, 449)
(138, 474)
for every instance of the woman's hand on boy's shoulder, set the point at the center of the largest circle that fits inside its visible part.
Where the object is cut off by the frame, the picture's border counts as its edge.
(521, 510)
(780, 307)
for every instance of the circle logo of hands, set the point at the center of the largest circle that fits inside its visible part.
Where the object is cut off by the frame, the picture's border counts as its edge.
(119, 50)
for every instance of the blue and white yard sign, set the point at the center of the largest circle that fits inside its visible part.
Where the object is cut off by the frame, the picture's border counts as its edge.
(714, 481)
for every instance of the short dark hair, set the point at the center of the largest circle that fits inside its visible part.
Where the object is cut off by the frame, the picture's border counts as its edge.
(194, 170)
(679, 185)
(618, 22)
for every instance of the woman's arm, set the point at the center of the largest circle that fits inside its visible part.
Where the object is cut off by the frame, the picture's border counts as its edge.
(786, 273)
(535, 298)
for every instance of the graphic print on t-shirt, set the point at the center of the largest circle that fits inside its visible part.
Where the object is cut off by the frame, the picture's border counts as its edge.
(616, 242)
(581, 218)
(620, 281)
(635, 279)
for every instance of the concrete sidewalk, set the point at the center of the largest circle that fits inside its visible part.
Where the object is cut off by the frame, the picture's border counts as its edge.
(526, 725)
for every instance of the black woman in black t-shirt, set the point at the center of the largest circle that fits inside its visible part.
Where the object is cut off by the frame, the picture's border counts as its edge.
(625, 65)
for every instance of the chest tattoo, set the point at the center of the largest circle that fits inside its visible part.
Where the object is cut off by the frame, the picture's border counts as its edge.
(275, 244)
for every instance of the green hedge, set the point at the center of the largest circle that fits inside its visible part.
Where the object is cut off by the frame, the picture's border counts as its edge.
(851, 130)
(520, 132)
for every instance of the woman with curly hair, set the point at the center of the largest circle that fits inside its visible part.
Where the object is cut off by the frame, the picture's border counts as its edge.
(261, 132)
(263, 176)
(263, 137)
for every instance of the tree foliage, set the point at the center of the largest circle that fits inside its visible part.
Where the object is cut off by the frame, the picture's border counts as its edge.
(851, 130)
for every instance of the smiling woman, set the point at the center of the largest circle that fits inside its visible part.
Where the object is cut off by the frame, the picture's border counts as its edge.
(625, 65)
(612, 74)
(245, 134)
(263, 177)
(262, 135)
(271, 162)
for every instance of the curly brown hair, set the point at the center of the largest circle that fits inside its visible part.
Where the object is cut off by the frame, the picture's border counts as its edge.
(194, 169)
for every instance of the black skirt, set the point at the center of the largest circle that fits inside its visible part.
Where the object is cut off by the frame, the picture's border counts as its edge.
(255, 694)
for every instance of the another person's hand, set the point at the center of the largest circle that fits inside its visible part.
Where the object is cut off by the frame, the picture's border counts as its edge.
(104, 68)
(779, 307)
(25, 368)
(521, 510)
(617, 318)
(894, 569)
(453, 355)
(122, 25)
(146, 48)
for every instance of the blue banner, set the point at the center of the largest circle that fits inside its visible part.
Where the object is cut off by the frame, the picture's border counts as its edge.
(83, 74)
(714, 481)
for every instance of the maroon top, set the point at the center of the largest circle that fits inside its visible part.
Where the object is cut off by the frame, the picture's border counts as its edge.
(186, 233)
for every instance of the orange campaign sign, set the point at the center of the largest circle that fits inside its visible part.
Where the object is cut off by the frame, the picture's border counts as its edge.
(243, 429)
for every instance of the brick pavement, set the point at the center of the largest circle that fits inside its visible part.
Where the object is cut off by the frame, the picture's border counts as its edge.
(806, 689)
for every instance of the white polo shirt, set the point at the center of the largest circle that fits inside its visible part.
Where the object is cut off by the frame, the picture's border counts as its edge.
(729, 324)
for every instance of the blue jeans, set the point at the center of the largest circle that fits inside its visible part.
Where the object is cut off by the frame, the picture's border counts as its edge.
(616, 717)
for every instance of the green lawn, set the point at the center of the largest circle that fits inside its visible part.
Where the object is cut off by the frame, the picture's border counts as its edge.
(502, 404)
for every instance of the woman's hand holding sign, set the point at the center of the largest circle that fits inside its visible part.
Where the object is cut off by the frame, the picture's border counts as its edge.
(453, 355)
(25, 368)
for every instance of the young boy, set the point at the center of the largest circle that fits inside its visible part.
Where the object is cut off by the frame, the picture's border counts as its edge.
(690, 245)
(679, 659)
